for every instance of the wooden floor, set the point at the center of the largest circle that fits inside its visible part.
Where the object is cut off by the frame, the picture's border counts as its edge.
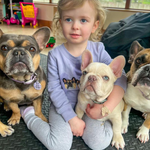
(17, 29)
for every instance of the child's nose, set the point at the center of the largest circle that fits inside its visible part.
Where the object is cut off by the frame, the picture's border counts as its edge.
(75, 25)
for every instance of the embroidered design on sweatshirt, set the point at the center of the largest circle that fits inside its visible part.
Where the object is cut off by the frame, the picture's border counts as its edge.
(71, 84)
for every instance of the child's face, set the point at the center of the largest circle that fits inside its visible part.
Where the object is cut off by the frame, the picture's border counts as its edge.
(78, 24)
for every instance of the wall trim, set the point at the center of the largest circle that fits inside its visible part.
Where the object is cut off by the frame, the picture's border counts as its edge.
(42, 23)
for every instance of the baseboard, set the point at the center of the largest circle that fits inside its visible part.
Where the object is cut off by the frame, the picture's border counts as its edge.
(42, 23)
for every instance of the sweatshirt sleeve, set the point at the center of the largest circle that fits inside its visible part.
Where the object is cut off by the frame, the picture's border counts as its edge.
(122, 81)
(105, 58)
(56, 93)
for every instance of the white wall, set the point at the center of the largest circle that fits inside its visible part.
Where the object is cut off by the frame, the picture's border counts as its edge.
(46, 12)
(115, 16)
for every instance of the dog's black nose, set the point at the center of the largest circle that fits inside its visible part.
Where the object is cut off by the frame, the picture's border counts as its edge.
(92, 78)
(18, 53)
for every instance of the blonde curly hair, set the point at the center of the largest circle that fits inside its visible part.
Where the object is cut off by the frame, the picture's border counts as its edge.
(73, 4)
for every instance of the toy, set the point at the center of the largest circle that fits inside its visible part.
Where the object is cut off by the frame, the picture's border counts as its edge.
(19, 16)
(12, 17)
(51, 42)
(16, 16)
(29, 13)
(6, 19)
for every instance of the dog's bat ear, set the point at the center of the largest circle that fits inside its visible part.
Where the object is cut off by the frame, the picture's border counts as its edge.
(42, 37)
(86, 59)
(117, 65)
(134, 49)
(1, 33)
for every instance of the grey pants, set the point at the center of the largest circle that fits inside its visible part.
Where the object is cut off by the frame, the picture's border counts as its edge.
(57, 135)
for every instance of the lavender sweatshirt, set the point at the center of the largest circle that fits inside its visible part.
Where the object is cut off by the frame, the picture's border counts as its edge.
(64, 76)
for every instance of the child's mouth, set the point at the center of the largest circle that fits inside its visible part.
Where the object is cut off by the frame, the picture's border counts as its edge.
(75, 36)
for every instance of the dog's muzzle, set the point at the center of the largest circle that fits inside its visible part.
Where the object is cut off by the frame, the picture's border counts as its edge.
(18, 61)
(142, 76)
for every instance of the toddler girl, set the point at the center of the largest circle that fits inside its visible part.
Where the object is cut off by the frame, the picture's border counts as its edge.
(80, 22)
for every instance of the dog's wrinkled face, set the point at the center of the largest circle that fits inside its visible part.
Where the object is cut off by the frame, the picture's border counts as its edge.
(19, 54)
(97, 80)
(140, 67)
(16, 54)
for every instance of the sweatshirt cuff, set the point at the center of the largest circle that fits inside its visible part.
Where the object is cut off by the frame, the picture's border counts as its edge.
(69, 114)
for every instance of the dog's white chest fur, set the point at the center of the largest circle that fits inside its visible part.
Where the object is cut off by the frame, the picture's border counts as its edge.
(135, 99)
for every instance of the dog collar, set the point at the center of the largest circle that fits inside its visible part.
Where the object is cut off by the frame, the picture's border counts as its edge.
(144, 95)
(32, 78)
(96, 102)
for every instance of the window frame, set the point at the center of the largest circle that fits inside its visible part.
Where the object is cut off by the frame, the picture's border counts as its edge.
(127, 6)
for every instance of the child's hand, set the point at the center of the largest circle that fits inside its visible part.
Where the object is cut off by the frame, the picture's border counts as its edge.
(77, 126)
(95, 111)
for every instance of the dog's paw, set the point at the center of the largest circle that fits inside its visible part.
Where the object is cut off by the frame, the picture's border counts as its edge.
(6, 130)
(143, 134)
(124, 128)
(144, 115)
(14, 119)
(6, 108)
(118, 141)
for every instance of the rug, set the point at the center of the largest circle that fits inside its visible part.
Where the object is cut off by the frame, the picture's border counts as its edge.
(23, 139)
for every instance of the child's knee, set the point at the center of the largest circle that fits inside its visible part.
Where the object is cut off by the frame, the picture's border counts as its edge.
(100, 138)
(63, 143)
(60, 145)
(98, 144)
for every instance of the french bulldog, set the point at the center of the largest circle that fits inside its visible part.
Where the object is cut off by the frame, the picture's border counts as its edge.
(137, 95)
(22, 80)
(96, 83)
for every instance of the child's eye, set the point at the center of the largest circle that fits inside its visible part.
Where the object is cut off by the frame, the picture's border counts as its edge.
(83, 20)
(68, 20)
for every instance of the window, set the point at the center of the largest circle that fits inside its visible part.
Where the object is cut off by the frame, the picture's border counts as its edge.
(140, 4)
(113, 3)
(133, 4)
(54, 1)
(41, 1)
(47, 1)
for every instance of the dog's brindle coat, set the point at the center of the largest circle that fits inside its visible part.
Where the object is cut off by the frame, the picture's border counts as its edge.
(137, 95)
(22, 80)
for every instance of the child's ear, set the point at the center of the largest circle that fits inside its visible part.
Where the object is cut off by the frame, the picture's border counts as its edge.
(95, 26)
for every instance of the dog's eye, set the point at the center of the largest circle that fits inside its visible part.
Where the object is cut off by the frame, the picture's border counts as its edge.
(32, 49)
(106, 78)
(4, 48)
(138, 61)
(84, 72)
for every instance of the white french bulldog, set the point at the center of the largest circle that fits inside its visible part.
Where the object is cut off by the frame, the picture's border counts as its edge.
(96, 83)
